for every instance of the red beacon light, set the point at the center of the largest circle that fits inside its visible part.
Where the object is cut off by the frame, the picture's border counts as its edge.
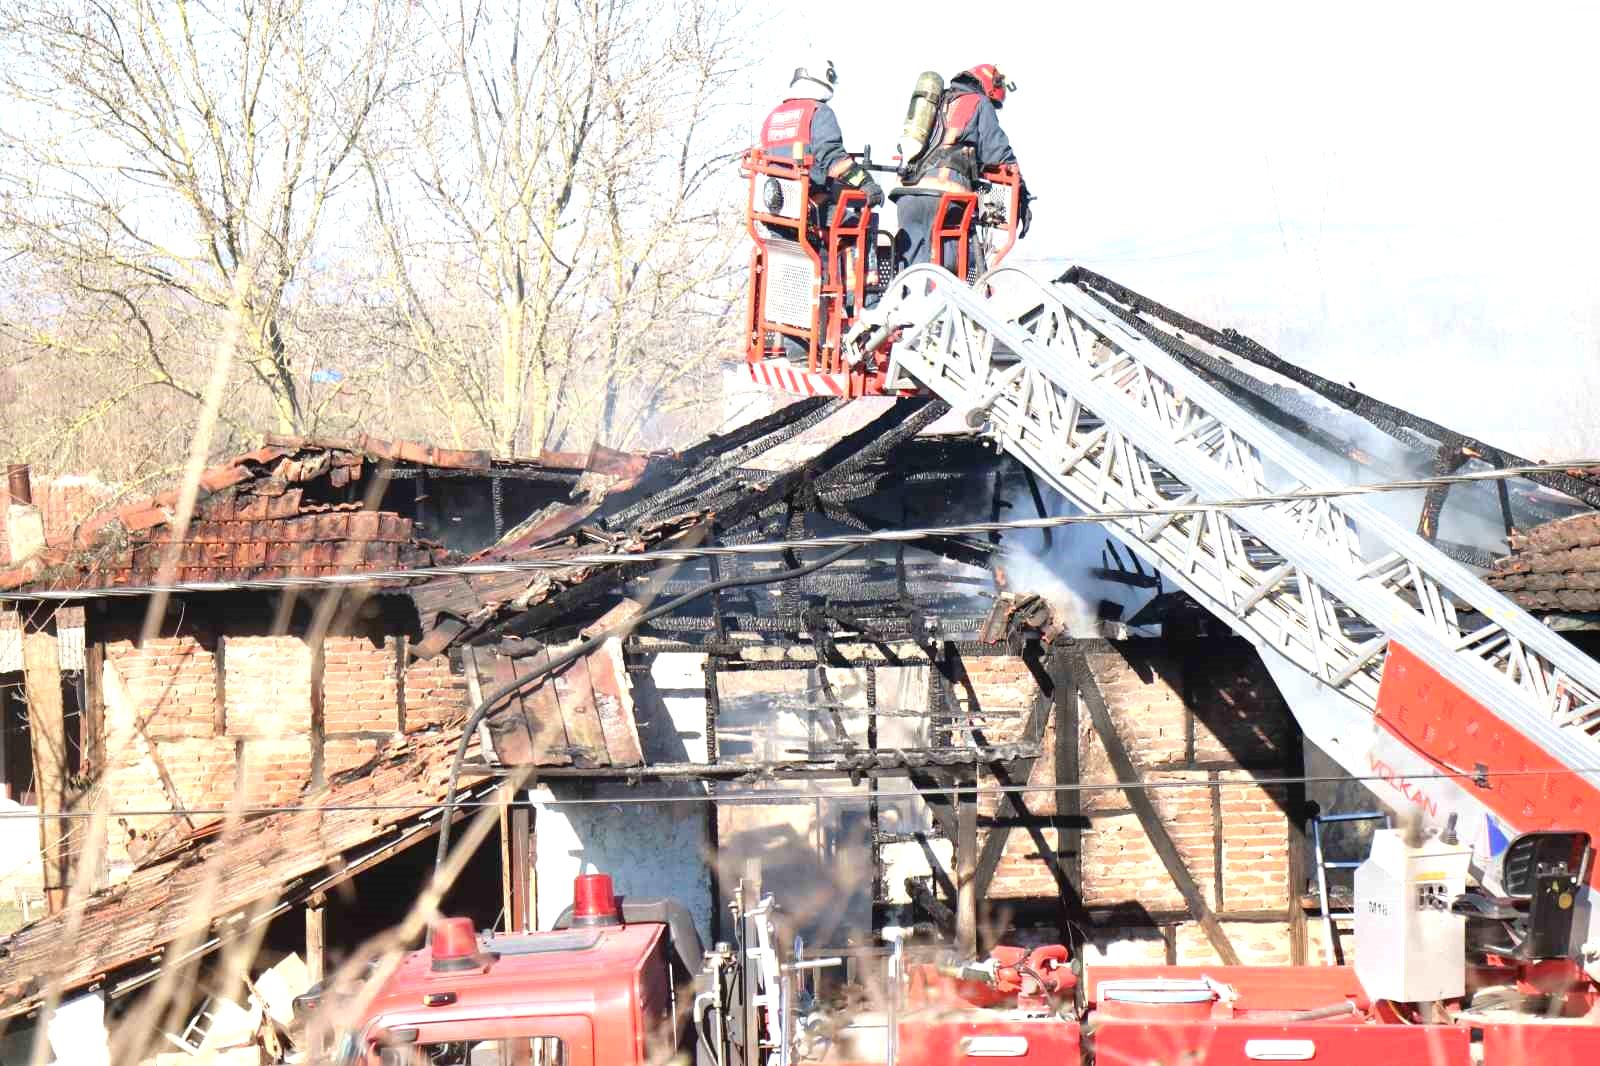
(453, 946)
(594, 901)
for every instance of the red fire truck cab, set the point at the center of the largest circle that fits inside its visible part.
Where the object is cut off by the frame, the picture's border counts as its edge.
(600, 991)
(625, 984)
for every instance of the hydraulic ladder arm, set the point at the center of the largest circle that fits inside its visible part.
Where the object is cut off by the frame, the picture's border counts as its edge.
(1330, 584)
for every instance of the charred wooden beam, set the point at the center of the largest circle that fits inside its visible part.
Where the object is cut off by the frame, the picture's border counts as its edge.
(967, 867)
(1069, 801)
(1013, 805)
(1396, 422)
(927, 768)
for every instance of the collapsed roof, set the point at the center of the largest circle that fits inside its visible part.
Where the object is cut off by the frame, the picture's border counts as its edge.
(223, 881)
(302, 507)
(274, 860)
(1554, 567)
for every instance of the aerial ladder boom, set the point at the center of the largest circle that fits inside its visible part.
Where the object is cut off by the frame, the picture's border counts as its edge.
(1327, 585)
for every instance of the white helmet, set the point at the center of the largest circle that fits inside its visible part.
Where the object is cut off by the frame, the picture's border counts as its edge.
(813, 79)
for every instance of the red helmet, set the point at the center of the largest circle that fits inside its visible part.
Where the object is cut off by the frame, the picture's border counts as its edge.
(995, 84)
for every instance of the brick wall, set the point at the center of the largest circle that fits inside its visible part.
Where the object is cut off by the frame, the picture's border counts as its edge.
(1204, 717)
(358, 685)
(432, 693)
(267, 681)
(176, 737)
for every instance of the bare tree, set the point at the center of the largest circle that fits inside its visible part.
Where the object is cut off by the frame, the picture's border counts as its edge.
(153, 152)
(558, 237)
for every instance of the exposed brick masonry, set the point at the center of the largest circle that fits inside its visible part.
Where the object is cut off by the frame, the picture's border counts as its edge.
(1207, 716)
(167, 744)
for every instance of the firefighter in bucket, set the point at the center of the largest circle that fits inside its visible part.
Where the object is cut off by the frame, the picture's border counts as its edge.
(951, 141)
(821, 212)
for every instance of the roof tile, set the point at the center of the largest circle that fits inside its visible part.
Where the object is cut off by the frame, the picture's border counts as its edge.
(139, 519)
(365, 525)
(222, 477)
(285, 506)
(89, 529)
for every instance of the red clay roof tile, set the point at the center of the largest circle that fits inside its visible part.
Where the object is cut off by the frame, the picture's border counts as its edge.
(142, 518)
(222, 477)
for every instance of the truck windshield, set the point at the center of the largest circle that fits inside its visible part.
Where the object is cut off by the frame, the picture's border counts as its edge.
(497, 1051)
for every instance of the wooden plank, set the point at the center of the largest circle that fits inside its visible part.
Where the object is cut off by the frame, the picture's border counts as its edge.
(967, 870)
(522, 909)
(318, 704)
(524, 732)
(219, 698)
(609, 697)
(41, 665)
(1149, 818)
(92, 735)
(516, 860)
(574, 698)
(316, 937)
(613, 701)
(1069, 802)
(504, 795)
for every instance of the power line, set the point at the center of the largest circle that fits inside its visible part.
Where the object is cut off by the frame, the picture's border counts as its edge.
(888, 536)
(764, 798)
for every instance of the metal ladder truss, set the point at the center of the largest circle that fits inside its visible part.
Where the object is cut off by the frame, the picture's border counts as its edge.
(1115, 423)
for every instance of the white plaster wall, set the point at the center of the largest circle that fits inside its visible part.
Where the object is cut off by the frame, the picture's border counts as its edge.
(653, 839)
(908, 858)
(680, 684)
(649, 850)
(19, 847)
(812, 858)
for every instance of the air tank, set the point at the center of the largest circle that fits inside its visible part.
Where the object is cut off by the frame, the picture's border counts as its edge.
(920, 116)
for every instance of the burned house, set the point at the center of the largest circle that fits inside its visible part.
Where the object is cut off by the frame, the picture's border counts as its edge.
(983, 734)
(855, 734)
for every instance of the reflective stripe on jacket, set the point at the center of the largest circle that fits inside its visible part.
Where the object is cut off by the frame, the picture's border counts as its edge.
(797, 128)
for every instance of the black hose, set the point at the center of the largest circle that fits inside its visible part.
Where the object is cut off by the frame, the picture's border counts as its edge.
(1335, 1010)
(572, 655)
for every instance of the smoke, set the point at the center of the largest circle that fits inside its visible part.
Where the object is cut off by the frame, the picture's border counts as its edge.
(1067, 572)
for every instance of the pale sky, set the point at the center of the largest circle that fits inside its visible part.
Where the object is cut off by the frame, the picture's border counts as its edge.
(1397, 195)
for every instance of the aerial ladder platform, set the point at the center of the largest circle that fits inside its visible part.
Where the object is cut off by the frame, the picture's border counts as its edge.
(1397, 660)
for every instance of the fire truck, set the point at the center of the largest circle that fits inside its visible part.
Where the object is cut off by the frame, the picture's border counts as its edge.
(1446, 974)
(1477, 938)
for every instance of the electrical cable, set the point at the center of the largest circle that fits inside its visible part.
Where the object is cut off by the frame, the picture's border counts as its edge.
(578, 651)
(763, 798)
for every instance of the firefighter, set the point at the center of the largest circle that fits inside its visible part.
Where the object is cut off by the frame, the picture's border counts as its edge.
(804, 123)
(966, 138)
